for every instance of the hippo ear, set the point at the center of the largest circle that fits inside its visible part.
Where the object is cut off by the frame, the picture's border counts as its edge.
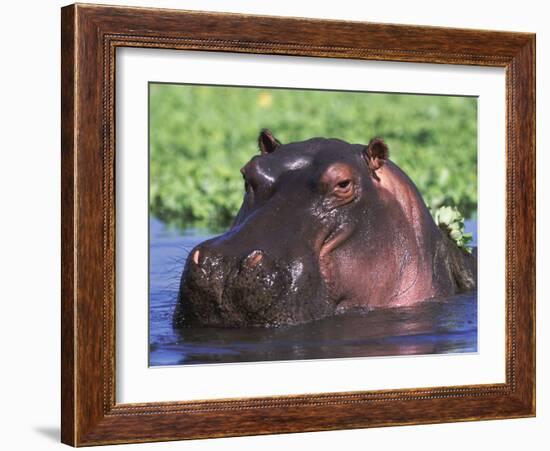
(376, 153)
(267, 142)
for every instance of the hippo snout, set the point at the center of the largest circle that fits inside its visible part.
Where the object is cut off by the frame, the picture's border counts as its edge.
(231, 291)
(206, 262)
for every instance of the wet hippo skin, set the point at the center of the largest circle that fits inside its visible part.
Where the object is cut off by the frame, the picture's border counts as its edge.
(325, 227)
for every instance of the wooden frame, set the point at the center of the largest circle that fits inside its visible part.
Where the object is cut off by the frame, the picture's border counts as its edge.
(90, 35)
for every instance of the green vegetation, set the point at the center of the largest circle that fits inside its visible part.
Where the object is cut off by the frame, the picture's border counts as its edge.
(200, 137)
(451, 222)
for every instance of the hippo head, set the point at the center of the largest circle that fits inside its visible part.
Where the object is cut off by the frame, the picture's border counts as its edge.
(302, 202)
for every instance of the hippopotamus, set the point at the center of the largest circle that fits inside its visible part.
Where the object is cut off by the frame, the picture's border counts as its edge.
(325, 227)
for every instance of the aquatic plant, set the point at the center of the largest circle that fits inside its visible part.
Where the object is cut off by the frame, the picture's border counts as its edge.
(451, 221)
(200, 136)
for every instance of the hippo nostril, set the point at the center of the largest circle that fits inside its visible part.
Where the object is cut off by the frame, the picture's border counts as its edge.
(196, 256)
(253, 258)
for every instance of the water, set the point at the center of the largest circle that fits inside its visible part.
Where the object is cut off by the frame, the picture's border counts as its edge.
(434, 327)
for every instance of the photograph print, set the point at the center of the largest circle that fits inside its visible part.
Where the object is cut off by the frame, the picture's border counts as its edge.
(296, 224)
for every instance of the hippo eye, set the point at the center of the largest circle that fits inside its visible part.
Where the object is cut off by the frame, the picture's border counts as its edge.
(246, 184)
(344, 184)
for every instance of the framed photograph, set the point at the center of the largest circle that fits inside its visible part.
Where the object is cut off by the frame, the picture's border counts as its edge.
(280, 224)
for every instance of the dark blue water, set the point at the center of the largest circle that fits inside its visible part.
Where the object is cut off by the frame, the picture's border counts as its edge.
(433, 327)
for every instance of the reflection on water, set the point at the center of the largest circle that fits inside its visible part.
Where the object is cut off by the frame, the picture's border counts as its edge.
(433, 327)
